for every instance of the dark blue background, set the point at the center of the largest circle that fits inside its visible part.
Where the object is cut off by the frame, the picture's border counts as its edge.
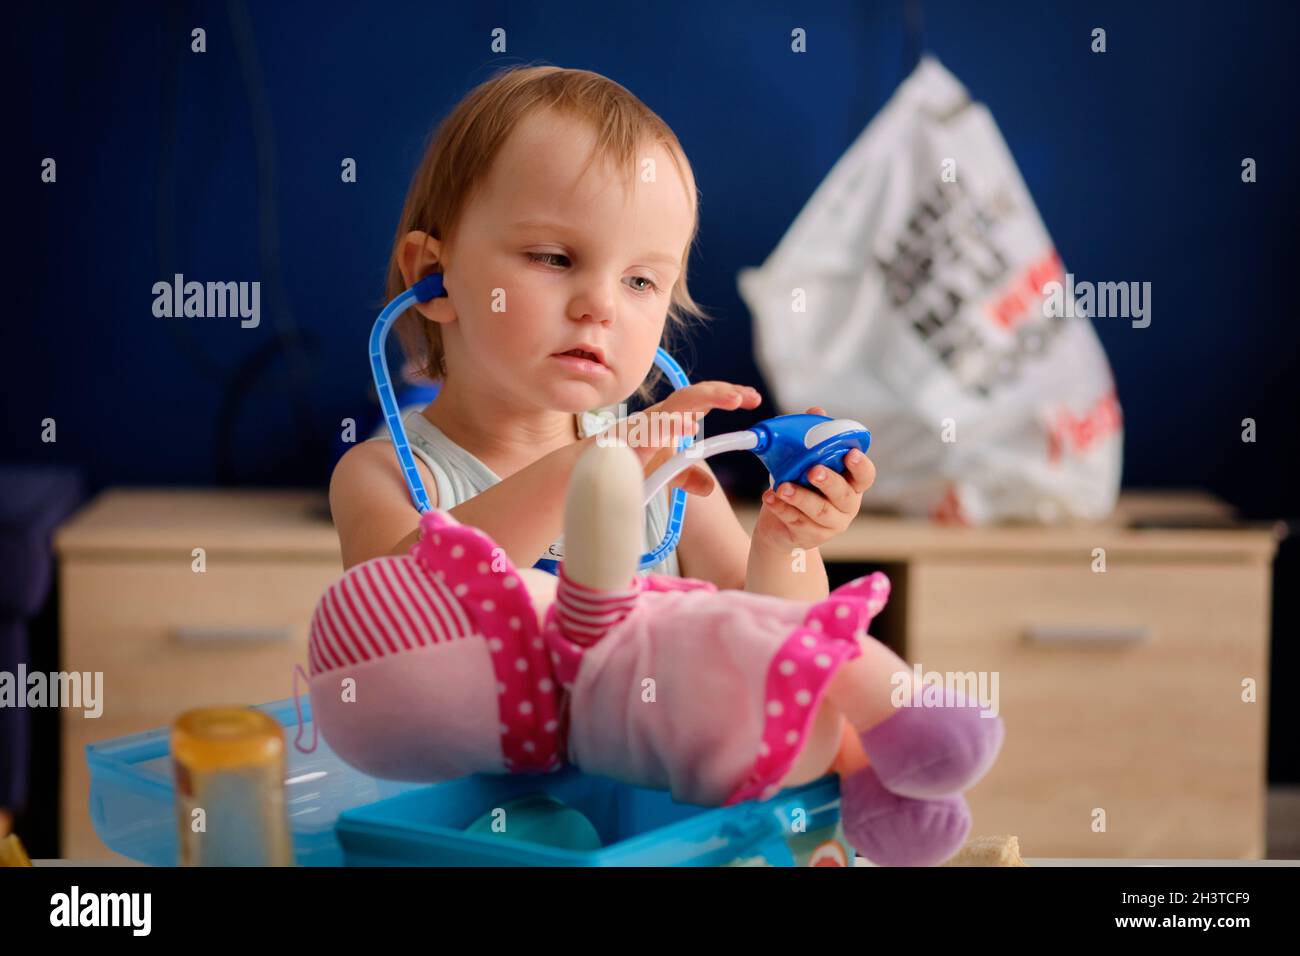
(225, 166)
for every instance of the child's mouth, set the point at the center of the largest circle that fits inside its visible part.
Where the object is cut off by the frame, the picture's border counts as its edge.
(582, 361)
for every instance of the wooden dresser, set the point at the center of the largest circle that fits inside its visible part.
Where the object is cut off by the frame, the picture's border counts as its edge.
(168, 637)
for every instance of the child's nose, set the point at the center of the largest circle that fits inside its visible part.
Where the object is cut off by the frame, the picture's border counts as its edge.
(594, 303)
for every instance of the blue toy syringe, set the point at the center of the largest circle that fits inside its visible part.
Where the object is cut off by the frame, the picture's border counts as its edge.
(789, 445)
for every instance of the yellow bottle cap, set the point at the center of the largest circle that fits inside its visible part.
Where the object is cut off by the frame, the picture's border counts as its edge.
(225, 738)
(12, 852)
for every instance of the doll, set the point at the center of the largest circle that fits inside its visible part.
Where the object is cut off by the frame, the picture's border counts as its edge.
(461, 663)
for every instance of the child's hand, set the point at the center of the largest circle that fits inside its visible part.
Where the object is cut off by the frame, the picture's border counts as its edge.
(808, 519)
(690, 404)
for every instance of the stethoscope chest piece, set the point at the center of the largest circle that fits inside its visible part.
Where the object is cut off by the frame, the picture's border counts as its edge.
(791, 445)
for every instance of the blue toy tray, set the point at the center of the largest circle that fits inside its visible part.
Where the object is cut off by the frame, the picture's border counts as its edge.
(132, 802)
(636, 826)
(338, 815)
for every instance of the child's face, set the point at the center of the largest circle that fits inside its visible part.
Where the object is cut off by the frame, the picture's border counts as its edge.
(547, 258)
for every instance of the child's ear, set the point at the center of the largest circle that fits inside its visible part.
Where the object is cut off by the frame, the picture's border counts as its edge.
(421, 254)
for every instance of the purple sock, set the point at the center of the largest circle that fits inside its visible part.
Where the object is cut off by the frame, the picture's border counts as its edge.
(890, 830)
(932, 751)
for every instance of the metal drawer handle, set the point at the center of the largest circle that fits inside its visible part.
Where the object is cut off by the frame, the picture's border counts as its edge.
(222, 634)
(1087, 634)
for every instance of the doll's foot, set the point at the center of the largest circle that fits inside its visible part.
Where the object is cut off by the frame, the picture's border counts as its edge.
(932, 751)
(890, 830)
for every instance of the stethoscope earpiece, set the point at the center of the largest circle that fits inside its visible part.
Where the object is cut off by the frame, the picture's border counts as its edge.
(430, 287)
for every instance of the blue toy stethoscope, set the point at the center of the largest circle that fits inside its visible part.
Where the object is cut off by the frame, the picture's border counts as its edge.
(789, 445)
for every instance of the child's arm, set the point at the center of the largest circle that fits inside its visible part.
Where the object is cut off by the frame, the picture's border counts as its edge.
(714, 547)
(794, 573)
(374, 516)
(523, 513)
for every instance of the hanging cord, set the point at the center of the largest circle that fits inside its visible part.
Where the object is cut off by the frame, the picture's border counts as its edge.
(165, 196)
(293, 344)
(297, 707)
(237, 382)
(912, 35)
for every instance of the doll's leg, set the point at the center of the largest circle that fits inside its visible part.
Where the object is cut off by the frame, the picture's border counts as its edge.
(886, 828)
(864, 687)
(820, 749)
(834, 743)
(893, 830)
(603, 522)
(882, 821)
(401, 687)
(926, 751)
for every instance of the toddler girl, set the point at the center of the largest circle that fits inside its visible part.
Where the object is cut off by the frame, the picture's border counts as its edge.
(560, 211)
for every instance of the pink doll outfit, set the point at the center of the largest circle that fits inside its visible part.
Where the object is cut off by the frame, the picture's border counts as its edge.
(737, 679)
(667, 683)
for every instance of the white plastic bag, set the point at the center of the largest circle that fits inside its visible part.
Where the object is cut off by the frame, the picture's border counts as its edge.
(908, 295)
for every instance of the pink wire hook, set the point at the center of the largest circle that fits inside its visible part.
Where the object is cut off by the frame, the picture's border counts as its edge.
(297, 669)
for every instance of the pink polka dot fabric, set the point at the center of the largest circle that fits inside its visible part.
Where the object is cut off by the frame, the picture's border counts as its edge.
(800, 672)
(482, 578)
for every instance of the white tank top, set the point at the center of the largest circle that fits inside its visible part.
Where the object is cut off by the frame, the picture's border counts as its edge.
(460, 476)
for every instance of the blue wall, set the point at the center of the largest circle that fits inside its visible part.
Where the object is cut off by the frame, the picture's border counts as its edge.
(1133, 157)
(226, 166)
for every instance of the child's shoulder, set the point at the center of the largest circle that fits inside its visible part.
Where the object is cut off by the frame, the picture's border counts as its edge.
(369, 501)
(370, 471)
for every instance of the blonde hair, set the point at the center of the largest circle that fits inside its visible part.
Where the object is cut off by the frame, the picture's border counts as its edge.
(464, 145)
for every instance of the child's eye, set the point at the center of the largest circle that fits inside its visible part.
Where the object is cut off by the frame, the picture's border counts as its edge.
(648, 284)
(542, 257)
(548, 259)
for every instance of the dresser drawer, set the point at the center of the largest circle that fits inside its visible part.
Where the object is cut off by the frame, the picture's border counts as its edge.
(1121, 692)
(168, 638)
